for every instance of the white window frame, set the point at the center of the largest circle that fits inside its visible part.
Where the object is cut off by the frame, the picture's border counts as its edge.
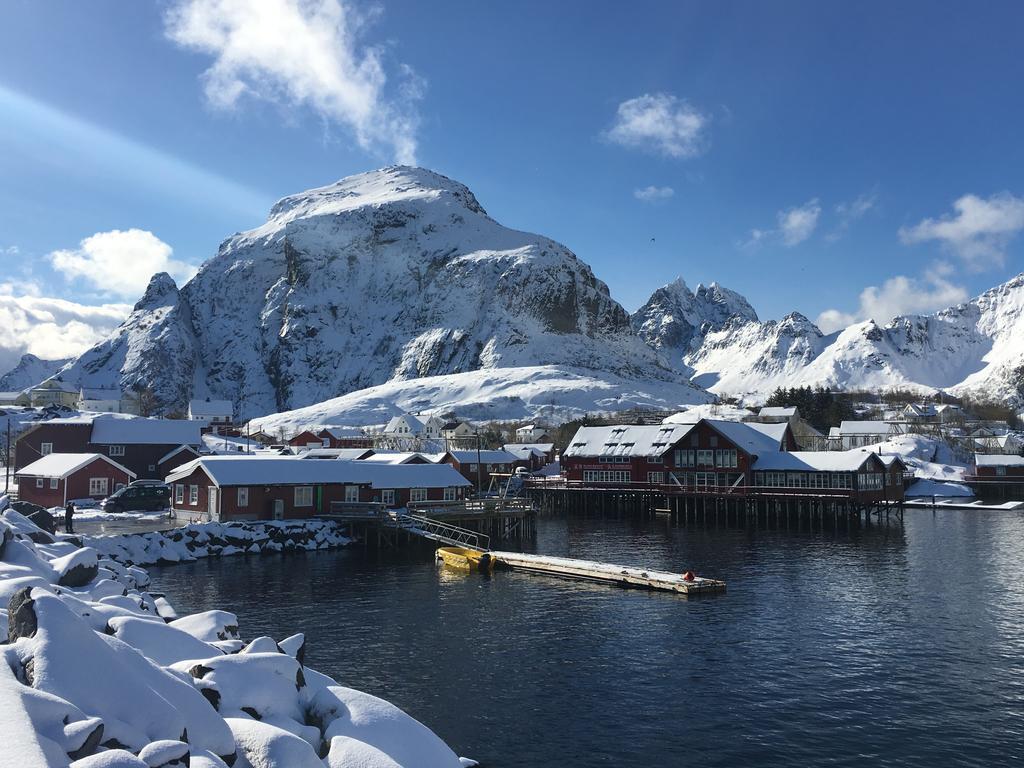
(54, 482)
(179, 493)
(40, 482)
(193, 495)
(417, 494)
(303, 496)
(243, 496)
(449, 493)
(45, 449)
(351, 494)
(115, 450)
(98, 486)
(387, 497)
(657, 478)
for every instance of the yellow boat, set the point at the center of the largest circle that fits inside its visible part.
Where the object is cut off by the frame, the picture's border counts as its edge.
(465, 559)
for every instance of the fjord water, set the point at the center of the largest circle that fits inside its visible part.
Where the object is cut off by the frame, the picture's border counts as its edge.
(887, 644)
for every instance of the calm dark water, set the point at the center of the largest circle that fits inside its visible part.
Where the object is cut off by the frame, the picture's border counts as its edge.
(881, 645)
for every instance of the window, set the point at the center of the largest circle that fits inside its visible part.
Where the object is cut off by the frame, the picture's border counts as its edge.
(472, 467)
(179, 493)
(656, 477)
(842, 480)
(53, 483)
(351, 493)
(1001, 471)
(387, 497)
(613, 460)
(705, 458)
(193, 495)
(304, 496)
(449, 493)
(685, 458)
(243, 497)
(797, 480)
(115, 450)
(706, 479)
(97, 486)
(775, 479)
(606, 476)
(713, 441)
(654, 460)
(39, 482)
(725, 458)
(46, 449)
(817, 480)
(417, 494)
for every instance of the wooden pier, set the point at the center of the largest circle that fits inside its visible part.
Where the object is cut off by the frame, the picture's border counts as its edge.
(607, 573)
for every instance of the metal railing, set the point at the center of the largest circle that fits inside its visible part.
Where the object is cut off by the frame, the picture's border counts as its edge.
(436, 530)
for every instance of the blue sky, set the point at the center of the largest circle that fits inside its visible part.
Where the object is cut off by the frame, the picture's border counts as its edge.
(844, 161)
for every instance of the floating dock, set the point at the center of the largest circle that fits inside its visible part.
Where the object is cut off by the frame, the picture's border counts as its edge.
(619, 575)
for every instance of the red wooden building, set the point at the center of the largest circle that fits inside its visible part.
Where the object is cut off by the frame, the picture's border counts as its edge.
(474, 465)
(57, 478)
(997, 476)
(257, 488)
(344, 437)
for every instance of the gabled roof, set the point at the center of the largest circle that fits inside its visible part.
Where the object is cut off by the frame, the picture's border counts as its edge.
(107, 431)
(484, 457)
(339, 433)
(627, 440)
(776, 432)
(778, 411)
(211, 407)
(101, 394)
(64, 464)
(865, 428)
(748, 436)
(344, 454)
(175, 451)
(813, 461)
(408, 419)
(277, 470)
(525, 450)
(398, 457)
(997, 460)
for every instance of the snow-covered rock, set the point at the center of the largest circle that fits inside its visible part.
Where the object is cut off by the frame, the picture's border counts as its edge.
(29, 371)
(91, 676)
(389, 275)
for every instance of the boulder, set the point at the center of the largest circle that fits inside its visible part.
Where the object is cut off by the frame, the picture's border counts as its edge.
(78, 568)
(165, 754)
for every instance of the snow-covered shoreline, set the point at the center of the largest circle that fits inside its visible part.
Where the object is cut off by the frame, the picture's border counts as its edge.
(99, 672)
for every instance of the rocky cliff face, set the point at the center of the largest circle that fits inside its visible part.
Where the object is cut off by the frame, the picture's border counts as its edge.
(29, 371)
(389, 275)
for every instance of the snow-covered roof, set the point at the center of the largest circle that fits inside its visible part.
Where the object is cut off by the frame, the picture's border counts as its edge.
(921, 409)
(523, 450)
(865, 428)
(641, 440)
(344, 454)
(812, 461)
(406, 419)
(277, 470)
(399, 457)
(211, 407)
(101, 394)
(107, 431)
(175, 451)
(64, 464)
(343, 432)
(753, 438)
(997, 460)
(11, 395)
(775, 431)
(485, 457)
(778, 411)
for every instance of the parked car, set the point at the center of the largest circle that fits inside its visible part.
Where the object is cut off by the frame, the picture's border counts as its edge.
(146, 482)
(134, 497)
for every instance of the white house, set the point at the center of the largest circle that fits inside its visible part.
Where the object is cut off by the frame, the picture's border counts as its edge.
(432, 427)
(100, 400)
(857, 434)
(777, 414)
(211, 411)
(530, 433)
(405, 425)
(454, 430)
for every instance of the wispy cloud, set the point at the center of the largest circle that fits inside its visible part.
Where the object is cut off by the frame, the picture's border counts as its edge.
(793, 226)
(301, 53)
(50, 328)
(120, 263)
(978, 231)
(662, 124)
(899, 295)
(653, 194)
(851, 211)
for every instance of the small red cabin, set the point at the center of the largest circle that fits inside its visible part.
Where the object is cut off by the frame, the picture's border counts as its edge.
(58, 478)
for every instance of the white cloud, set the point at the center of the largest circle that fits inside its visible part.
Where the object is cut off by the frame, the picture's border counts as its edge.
(797, 224)
(978, 231)
(851, 211)
(10, 250)
(51, 328)
(120, 262)
(652, 194)
(794, 226)
(300, 53)
(660, 123)
(898, 295)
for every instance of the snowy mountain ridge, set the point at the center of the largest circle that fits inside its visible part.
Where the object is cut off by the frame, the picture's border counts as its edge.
(29, 371)
(395, 274)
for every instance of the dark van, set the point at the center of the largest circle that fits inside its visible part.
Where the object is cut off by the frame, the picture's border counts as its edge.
(150, 498)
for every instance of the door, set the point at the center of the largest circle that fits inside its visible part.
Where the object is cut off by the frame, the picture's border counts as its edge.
(279, 509)
(211, 502)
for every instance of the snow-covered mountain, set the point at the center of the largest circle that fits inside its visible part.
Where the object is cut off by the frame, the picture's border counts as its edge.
(390, 275)
(29, 371)
(974, 348)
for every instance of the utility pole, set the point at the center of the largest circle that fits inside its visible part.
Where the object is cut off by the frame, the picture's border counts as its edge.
(479, 482)
(7, 459)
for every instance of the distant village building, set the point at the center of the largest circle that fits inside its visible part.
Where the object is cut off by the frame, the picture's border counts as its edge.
(344, 437)
(211, 411)
(57, 478)
(536, 455)
(15, 398)
(306, 440)
(777, 414)
(110, 400)
(404, 425)
(53, 392)
(857, 434)
(456, 430)
(246, 488)
(997, 476)
(862, 475)
(480, 466)
(530, 433)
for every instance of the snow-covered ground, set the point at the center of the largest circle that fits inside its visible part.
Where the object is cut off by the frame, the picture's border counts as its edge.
(553, 393)
(933, 463)
(99, 673)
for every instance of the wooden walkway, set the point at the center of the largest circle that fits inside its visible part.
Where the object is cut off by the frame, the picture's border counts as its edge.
(620, 575)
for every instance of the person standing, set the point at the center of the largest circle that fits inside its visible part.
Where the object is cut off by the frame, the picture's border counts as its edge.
(69, 514)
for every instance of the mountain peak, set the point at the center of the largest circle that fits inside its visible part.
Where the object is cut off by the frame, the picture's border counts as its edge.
(161, 291)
